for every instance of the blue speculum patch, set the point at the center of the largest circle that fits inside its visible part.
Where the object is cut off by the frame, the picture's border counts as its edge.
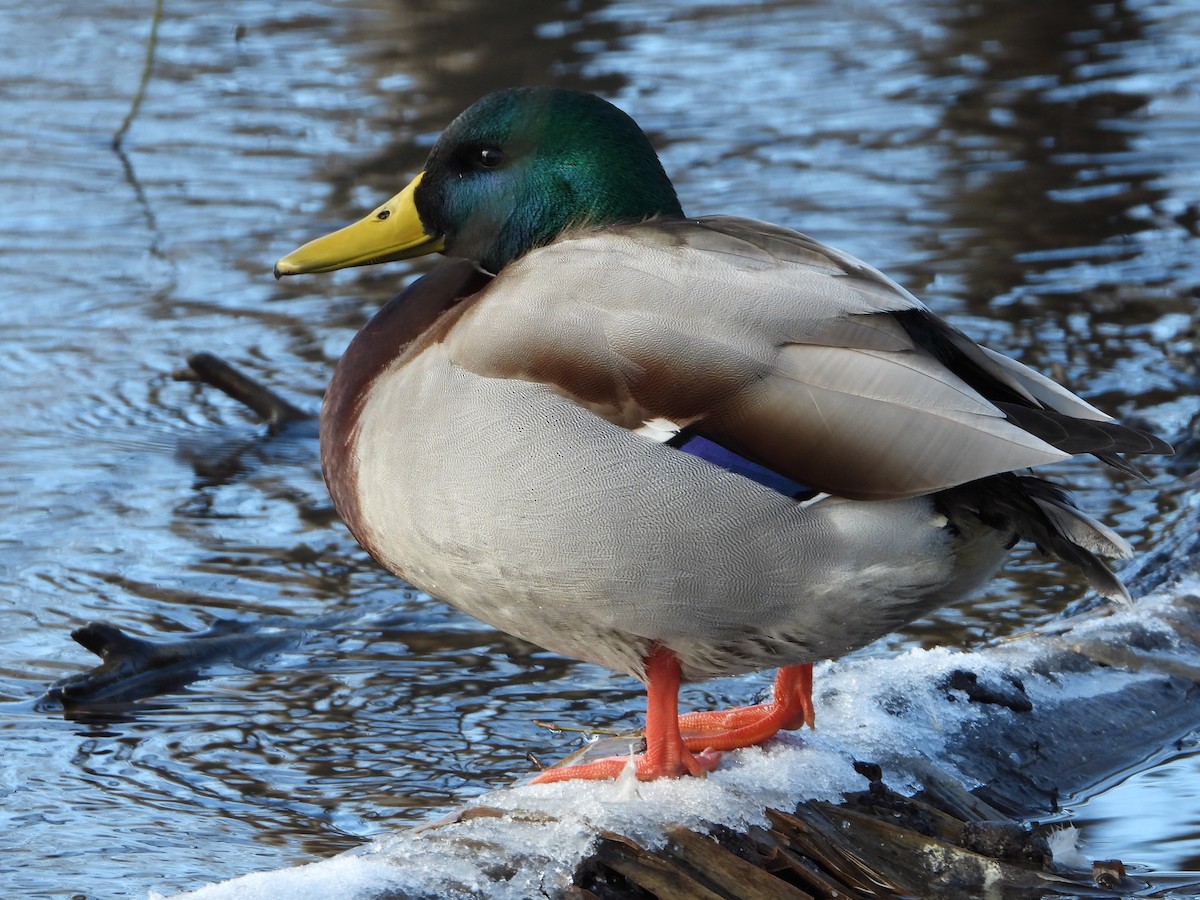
(712, 452)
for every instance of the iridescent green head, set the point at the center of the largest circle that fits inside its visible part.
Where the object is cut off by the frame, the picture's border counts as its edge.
(520, 166)
(515, 170)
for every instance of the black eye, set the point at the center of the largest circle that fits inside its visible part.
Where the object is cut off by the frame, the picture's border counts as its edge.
(489, 157)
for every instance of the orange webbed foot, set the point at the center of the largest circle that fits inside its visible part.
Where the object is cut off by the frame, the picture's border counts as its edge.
(692, 744)
(790, 708)
(665, 756)
(646, 769)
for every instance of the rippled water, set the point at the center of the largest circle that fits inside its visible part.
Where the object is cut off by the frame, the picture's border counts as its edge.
(1028, 168)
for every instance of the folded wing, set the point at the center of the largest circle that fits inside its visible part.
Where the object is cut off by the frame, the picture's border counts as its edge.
(793, 355)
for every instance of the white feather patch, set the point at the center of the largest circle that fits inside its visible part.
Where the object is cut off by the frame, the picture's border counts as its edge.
(659, 430)
(804, 504)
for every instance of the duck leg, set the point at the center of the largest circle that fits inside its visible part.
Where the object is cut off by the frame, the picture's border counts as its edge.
(666, 756)
(790, 708)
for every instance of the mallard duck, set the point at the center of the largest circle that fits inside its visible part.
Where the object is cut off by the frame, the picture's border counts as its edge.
(676, 447)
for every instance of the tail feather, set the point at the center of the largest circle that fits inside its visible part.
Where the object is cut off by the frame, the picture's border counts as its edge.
(1042, 513)
(1084, 531)
(1080, 539)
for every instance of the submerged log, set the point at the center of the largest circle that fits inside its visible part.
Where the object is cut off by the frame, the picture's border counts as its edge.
(274, 409)
(134, 668)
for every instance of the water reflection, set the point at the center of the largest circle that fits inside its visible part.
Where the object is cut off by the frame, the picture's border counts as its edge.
(1043, 131)
(446, 56)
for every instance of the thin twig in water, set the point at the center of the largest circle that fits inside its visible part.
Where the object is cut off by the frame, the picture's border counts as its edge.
(151, 47)
(575, 729)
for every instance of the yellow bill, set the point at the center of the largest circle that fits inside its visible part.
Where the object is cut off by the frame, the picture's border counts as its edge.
(393, 231)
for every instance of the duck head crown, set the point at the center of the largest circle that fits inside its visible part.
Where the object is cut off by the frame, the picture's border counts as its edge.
(511, 173)
(520, 166)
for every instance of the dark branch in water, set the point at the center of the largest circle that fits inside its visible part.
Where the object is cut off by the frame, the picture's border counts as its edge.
(135, 668)
(273, 409)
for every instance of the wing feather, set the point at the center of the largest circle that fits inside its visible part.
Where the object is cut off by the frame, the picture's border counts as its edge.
(796, 356)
